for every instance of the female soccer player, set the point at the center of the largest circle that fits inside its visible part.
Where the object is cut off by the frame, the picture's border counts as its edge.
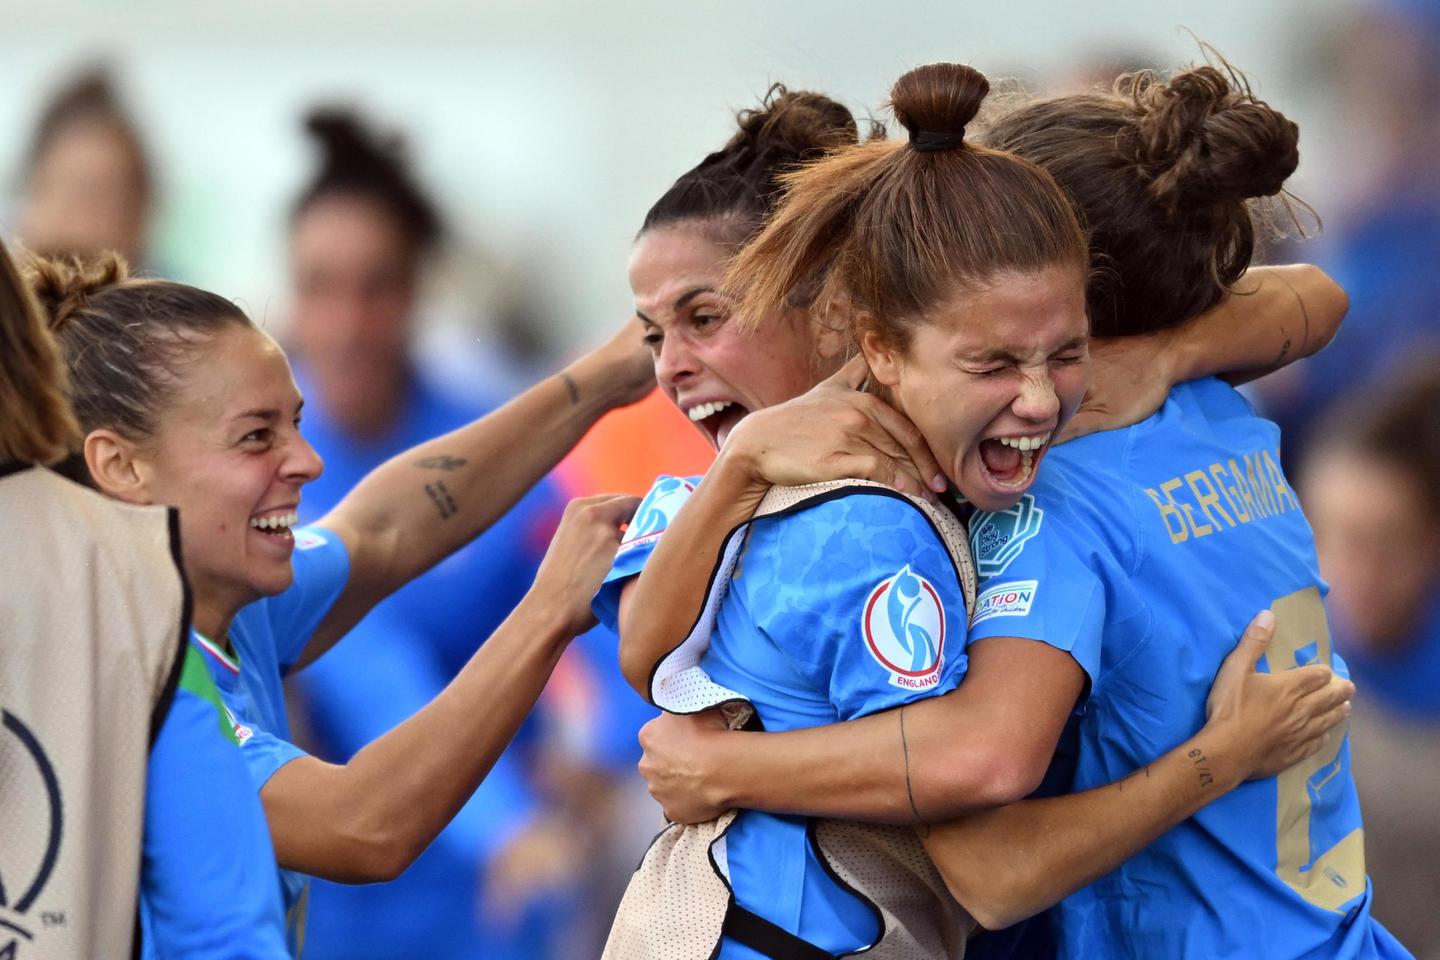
(781, 638)
(185, 402)
(1151, 544)
(113, 734)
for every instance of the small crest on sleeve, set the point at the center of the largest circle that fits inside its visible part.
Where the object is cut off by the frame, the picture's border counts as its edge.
(1011, 599)
(904, 628)
(996, 539)
(238, 729)
(656, 511)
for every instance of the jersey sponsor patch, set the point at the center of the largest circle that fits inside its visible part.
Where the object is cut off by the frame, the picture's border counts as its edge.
(1005, 600)
(904, 627)
(308, 538)
(998, 538)
(655, 512)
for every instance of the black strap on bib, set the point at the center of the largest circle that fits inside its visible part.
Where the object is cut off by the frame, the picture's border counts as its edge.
(754, 931)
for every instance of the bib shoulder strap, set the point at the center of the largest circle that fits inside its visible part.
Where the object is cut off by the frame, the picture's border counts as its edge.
(946, 524)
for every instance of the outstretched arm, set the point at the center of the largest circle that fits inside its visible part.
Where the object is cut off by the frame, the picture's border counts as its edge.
(419, 507)
(368, 819)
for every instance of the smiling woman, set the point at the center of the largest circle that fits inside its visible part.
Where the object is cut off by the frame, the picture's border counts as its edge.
(183, 401)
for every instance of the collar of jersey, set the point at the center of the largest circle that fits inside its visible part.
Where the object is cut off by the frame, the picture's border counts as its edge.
(216, 651)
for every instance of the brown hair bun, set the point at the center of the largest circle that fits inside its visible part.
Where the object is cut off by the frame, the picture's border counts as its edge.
(1206, 141)
(938, 100)
(64, 286)
(797, 123)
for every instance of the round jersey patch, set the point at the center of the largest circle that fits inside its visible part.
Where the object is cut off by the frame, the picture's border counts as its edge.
(905, 629)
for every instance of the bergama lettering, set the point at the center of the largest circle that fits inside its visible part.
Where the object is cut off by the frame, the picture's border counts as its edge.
(1219, 497)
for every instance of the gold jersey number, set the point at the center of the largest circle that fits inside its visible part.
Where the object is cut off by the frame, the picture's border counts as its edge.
(1324, 878)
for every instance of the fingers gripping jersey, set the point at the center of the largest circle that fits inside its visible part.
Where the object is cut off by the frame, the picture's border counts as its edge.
(652, 518)
(846, 603)
(1162, 541)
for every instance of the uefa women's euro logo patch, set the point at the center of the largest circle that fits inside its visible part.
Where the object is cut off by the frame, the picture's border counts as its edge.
(656, 511)
(904, 629)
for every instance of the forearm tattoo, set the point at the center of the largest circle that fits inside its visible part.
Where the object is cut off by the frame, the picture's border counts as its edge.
(910, 787)
(1202, 767)
(570, 387)
(1304, 316)
(441, 462)
(441, 498)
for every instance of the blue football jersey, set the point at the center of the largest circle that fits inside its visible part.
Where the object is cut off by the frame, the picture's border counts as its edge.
(269, 636)
(842, 608)
(1161, 541)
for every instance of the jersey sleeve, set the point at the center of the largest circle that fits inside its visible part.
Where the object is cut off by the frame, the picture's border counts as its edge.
(1036, 584)
(652, 518)
(862, 596)
(322, 568)
(209, 886)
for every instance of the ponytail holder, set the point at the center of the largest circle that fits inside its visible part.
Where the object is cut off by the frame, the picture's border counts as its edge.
(931, 141)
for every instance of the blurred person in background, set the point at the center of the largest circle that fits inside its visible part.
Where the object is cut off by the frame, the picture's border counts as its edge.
(1383, 243)
(1371, 483)
(362, 233)
(87, 185)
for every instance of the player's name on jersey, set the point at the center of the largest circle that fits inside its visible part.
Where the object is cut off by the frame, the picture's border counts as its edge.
(1221, 496)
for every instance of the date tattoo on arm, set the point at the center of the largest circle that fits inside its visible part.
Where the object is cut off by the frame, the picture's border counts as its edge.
(1202, 766)
(444, 502)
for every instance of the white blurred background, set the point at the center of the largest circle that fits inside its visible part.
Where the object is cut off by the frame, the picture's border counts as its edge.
(547, 128)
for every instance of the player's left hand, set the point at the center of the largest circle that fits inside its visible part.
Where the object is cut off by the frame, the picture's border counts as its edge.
(835, 431)
(1130, 377)
(675, 764)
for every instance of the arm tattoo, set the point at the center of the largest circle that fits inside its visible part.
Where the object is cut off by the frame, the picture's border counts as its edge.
(442, 462)
(909, 787)
(1304, 315)
(442, 499)
(570, 387)
(1202, 766)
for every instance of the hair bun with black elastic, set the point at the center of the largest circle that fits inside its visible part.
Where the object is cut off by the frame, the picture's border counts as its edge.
(935, 103)
(357, 159)
(63, 286)
(1205, 139)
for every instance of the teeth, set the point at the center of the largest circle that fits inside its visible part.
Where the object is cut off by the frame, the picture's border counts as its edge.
(283, 521)
(1024, 444)
(1027, 462)
(699, 413)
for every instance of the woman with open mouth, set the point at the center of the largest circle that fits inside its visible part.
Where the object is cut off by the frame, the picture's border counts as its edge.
(1148, 547)
(183, 401)
(849, 601)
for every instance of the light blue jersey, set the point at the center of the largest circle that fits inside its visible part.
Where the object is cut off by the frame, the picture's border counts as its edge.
(268, 636)
(1162, 541)
(842, 609)
(845, 607)
(208, 887)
